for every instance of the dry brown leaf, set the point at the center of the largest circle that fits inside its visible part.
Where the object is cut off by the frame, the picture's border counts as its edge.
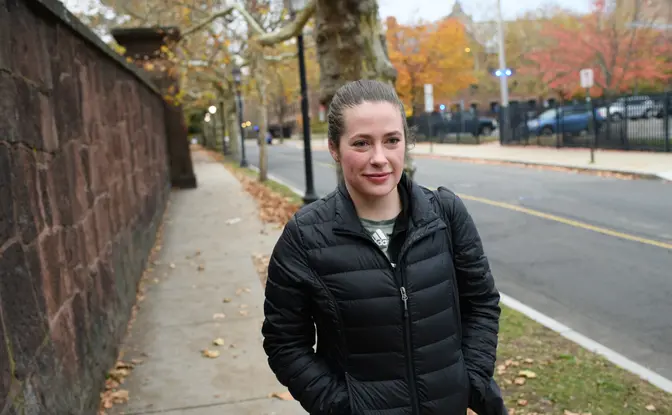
(260, 262)
(522, 402)
(218, 342)
(226, 300)
(285, 396)
(172, 266)
(211, 354)
(201, 267)
(528, 374)
(650, 408)
(519, 381)
(244, 313)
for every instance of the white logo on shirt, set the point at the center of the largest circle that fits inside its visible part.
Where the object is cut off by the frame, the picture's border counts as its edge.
(380, 238)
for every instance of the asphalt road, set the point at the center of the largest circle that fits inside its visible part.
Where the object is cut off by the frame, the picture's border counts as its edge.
(616, 291)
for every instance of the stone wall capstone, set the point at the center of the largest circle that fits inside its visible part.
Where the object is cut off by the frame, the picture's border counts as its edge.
(84, 180)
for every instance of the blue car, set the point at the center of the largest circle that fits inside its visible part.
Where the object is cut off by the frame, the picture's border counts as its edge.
(574, 120)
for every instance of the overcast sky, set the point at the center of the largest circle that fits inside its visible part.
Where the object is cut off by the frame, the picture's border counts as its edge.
(408, 11)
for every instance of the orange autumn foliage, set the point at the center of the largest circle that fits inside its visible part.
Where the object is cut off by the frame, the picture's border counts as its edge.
(432, 53)
(619, 54)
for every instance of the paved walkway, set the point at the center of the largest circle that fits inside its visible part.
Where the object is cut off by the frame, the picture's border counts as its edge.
(631, 162)
(182, 312)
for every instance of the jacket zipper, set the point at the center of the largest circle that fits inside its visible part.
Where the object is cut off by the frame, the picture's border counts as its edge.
(410, 367)
(415, 402)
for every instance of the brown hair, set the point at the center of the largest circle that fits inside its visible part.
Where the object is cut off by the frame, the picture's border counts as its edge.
(354, 93)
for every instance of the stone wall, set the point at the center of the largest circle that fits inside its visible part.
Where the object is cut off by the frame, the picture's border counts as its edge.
(83, 185)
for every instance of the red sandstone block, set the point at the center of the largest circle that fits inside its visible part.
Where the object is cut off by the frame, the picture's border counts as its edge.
(77, 181)
(28, 215)
(55, 277)
(7, 227)
(30, 42)
(101, 212)
(88, 239)
(62, 333)
(23, 306)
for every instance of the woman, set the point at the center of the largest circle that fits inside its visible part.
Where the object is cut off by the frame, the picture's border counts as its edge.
(392, 276)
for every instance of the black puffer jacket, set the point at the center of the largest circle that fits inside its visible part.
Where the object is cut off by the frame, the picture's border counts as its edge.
(391, 338)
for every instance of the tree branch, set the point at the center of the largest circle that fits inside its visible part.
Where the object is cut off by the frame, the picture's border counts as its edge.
(280, 58)
(265, 39)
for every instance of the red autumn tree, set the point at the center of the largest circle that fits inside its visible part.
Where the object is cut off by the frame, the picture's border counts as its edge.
(619, 52)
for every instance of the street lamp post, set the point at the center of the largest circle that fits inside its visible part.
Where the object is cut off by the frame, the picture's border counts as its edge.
(503, 79)
(310, 195)
(212, 110)
(205, 129)
(222, 119)
(239, 102)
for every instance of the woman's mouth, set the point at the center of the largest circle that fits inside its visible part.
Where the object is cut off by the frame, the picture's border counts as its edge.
(378, 178)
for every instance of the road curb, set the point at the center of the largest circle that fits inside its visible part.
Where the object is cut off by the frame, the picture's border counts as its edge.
(554, 325)
(577, 169)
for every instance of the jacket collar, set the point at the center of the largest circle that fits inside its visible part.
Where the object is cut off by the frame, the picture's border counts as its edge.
(416, 206)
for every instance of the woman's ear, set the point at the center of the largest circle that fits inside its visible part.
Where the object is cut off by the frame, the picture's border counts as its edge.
(333, 151)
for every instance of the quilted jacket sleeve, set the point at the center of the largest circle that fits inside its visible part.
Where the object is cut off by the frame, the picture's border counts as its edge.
(289, 331)
(479, 308)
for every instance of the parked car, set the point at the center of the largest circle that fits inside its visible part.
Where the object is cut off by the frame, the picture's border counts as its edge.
(451, 123)
(568, 119)
(659, 107)
(638, 106)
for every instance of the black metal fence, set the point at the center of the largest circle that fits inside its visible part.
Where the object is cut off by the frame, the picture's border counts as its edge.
(634, 122)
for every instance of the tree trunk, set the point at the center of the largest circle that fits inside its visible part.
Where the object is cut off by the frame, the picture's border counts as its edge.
(233, 127)
(350, 46)
(263, 122)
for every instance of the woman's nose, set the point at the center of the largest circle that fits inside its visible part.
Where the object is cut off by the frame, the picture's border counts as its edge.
(378, 156)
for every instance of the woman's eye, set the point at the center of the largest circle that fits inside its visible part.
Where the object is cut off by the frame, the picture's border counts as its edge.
(359, 143)
(394, 140)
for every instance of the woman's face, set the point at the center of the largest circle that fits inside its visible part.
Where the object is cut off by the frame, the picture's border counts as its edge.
(371, 150)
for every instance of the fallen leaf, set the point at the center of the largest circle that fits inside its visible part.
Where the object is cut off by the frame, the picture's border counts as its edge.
(285, 396)
(650, 408)
(218, 342)
(226, 300)
(528, 360)
(172, 266)
(244, 313)
(243, 306)
(519, 381)
(211, 354)
(522, 402)
(201, 267)
(528, 374)
(232, 221)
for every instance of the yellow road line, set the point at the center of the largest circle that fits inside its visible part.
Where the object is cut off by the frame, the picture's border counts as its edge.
(570, 222)
(559, 219)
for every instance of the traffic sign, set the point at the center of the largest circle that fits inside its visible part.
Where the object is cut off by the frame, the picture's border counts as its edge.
(587, 78)
(429, 98)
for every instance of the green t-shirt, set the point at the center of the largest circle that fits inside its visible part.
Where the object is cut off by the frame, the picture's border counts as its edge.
(380, 231)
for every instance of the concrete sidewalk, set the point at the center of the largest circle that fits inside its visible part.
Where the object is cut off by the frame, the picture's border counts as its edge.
(640, 163)
(203, 261)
